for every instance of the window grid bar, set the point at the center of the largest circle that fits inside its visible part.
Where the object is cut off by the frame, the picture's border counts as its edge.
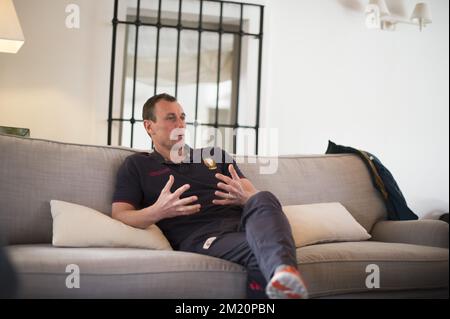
(158, 31)
(199, 49)
(219, 62)
(181, 27)
(177, 65)
(113, 64)
(136, 46)
(236, 3)
(238, 84)
(258, 95)
(192, 123)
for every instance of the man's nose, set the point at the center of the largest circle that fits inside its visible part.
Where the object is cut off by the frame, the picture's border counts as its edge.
(181, 123)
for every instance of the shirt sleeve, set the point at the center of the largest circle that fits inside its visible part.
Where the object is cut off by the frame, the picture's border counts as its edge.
(228, 159)
(128, 188)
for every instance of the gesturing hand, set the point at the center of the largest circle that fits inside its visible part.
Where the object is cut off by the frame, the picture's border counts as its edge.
(235, 190)
(170, 205)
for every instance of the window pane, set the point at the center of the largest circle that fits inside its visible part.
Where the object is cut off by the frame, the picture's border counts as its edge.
(145, 67)
(224, 138)
(245, 141)
(211, 15)
(169, 12)
(228, 74)
(115, 133)
(231, 16)
(145, 78)
(141, 140)
(167, 61)
(191, 16)
(248, 81)
(205, 136)
(126, 10)
(149, 11)
(189, 135)
(208, 78)
(187, 76)
(251, 16)
(125, 134)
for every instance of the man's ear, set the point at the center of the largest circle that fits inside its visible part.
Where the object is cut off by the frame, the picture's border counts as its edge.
(148, 125)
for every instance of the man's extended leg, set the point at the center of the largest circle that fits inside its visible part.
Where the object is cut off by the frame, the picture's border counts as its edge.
(269, 235)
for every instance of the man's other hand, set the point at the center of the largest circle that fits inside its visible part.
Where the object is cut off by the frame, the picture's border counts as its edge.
(170, 205)
(235, 190)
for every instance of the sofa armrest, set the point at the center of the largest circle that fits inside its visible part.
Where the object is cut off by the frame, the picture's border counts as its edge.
(419, 232)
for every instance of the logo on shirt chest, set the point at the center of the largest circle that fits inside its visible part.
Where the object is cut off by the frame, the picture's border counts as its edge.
(159, 172)
(210, 163)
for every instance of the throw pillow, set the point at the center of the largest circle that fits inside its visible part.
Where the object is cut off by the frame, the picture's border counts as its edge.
(79, 226)
(322, 223)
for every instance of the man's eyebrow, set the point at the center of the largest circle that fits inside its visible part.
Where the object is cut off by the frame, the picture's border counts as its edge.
(173, 114)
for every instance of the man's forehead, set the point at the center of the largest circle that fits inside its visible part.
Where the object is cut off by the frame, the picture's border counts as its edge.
(165, 107)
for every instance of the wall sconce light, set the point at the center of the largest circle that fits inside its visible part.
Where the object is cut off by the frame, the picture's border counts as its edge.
(11, 35)
(379, 17)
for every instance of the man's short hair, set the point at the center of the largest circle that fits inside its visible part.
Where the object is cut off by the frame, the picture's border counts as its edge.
(148, 111)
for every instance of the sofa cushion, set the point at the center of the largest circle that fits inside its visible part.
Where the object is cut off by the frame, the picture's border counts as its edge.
(321, 223)
(328, 269)
(340, 268)
(124, 273)
(79, 226)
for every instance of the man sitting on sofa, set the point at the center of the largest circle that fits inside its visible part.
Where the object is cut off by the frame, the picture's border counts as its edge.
(221, 214)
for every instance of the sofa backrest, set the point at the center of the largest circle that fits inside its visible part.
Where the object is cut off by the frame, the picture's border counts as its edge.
(33, 172)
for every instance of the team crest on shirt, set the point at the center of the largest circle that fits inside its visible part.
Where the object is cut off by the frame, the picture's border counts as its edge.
(210, 163)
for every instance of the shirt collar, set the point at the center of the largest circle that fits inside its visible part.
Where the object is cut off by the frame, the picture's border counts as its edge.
(160, 159)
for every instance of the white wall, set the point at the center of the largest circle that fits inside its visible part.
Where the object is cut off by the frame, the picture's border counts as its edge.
(329, 77)
(325, 76)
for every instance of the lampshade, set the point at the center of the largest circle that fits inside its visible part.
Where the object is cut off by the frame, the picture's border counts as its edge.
(381, 4)
(421, 14)
(11, 35)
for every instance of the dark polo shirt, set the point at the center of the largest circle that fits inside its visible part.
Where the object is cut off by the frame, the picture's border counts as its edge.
(142, 176)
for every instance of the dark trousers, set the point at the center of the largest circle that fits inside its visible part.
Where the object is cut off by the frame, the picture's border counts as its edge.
(262, 242)
(8, 277)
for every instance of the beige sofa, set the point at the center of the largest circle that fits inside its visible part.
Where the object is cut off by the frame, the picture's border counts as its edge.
(412, 256)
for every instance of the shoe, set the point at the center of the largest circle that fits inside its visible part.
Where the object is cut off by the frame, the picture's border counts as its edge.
(286, 283)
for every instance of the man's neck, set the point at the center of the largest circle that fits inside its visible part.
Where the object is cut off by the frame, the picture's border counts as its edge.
(163, 152)
(178, 156)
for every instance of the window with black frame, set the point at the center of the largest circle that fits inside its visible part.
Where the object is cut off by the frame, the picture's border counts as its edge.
(206, 53)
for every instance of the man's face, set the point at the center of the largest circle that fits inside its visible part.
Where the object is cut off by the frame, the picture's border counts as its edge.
(169, 127)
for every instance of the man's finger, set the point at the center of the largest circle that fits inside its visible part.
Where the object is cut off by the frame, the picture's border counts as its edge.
(224, 195)
(224, 178)
(185, 201)
(181, 190)
(168, 185)
(224, 202)
(228, 188)
(232, 182)
(189, 209)
(233, 172)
